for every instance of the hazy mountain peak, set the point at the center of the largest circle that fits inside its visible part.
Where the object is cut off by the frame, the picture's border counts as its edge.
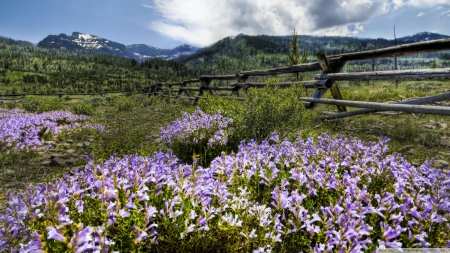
(96, 44)
(423, 36)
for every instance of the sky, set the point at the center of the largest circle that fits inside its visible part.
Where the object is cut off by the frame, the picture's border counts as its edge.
(170, 23)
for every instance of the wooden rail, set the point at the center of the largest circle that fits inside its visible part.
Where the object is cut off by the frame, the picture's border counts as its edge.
(330, 67)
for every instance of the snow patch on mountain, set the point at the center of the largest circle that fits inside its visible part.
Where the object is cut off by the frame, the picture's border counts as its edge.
(96, 44)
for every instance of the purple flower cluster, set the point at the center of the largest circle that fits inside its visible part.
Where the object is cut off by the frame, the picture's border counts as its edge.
(320, 195)
(20, 131)
(193, 129)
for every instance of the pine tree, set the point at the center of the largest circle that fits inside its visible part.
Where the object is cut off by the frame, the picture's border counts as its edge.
(294, 56)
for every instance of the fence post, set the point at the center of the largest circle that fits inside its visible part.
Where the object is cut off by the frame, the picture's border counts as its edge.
(335, 92)
(239, 79)
(204, 82)
(180, 91)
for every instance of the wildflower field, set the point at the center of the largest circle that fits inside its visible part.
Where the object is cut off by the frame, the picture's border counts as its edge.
(209, 181)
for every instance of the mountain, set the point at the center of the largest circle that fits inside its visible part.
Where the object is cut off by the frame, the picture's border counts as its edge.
(243, 45)
(142, 51)
(423, 36)
(83, 41)
(96, 44)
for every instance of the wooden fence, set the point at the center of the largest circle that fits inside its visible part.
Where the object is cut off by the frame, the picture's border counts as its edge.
(330, 67)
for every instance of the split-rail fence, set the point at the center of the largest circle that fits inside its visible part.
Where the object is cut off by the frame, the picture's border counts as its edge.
(330, 67)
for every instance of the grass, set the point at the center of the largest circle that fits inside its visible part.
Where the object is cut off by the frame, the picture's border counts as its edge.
(128, 132)
(136, 131)
(426, 133)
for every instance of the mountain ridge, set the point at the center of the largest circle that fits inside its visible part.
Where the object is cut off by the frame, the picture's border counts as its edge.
(257, 43)
(96, 44)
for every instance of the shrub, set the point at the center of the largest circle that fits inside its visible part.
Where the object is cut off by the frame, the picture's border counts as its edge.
(264, 111)
(331, 194)
(199, 134)
(275, 109)
(11, 104)
(85, 108)
(46, 105)
(139, 99)
(31, 103)
(95, 101)
(122, 103)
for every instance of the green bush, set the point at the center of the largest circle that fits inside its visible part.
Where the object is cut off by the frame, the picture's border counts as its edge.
(31, 103)
(46, 105)
(95, 101)
(139, 99)
(11, 104)
(85, 108)
(123, 103)
(271, 109)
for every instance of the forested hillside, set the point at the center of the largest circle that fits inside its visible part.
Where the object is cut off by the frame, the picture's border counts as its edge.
(244, 52)
(27, 68)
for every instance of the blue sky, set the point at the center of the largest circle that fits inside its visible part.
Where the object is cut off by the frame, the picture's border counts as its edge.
(169, 23)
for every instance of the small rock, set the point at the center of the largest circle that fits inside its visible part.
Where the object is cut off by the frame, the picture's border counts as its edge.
(51, 143)
(441, 164)
(65, 145)
(444, 154)
(69, 141)
(16, 185)
(82, 157)
(55, 155)
(10, 172)
(411, 151)
(429, 126)
(58, 161)
(91, 140)
(87, 144)
(70, 151)
(69, 161)
(41, 149)
(46, 163)
(80, 145)
(406, 148)
(444, 126)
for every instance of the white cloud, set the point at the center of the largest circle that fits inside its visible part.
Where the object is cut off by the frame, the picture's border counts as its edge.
(203, 22)
(420, 14)
(427, 3)
(396, 4)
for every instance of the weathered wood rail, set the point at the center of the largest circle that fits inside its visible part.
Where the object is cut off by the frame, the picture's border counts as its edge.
(330, 67)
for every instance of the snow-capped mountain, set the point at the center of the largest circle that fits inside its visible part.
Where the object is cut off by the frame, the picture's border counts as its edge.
(142, 51)
(83, 41)
(423, 36)
(96, 44)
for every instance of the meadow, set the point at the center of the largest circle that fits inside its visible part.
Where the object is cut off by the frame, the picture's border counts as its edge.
(154, 174)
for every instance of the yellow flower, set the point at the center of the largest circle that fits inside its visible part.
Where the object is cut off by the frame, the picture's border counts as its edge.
(2, 196)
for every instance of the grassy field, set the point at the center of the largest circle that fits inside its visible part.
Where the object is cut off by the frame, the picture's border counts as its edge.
(418, 137)
(132, 126)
